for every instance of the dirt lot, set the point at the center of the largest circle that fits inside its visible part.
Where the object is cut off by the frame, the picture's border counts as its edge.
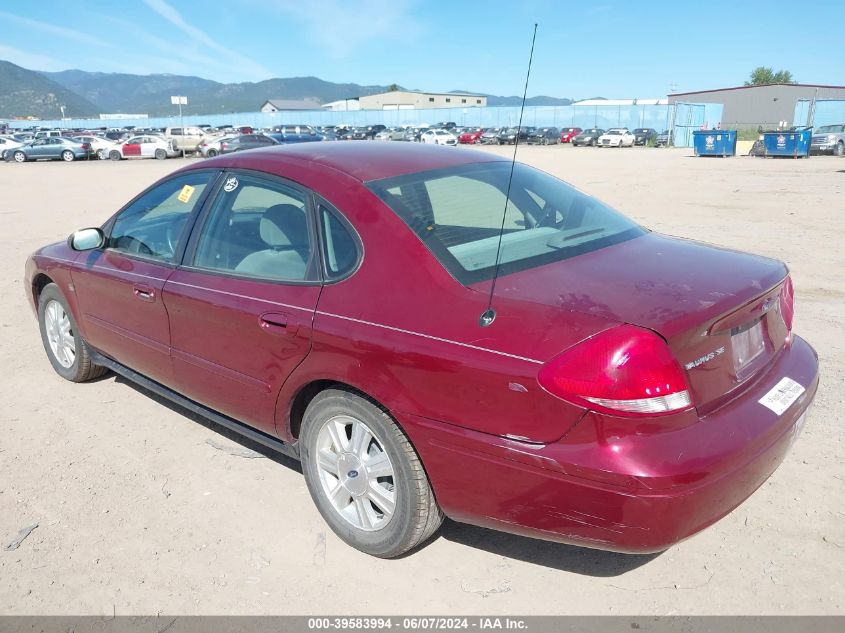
(139, 510)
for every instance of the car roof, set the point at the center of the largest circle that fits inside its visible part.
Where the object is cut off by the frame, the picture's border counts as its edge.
(362, 161)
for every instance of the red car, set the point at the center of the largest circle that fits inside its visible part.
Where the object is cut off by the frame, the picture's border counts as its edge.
(471, 136)
(568, 133)
(574, 377)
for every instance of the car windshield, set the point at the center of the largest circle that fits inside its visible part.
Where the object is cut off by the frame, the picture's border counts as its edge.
(457, 213)
(830, 129)
(613, 132)
(594, 130)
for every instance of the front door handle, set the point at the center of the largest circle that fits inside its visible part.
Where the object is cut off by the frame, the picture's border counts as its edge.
(276, 322)
(144, 293)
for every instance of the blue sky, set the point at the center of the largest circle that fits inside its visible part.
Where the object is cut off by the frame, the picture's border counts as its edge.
(610, 48)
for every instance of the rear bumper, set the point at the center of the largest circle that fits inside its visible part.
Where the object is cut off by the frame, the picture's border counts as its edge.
(637, 494)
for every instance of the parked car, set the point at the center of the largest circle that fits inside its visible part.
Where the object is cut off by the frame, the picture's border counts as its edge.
(391, 134)
(295, 134)
(185, 139)
(8, 143)
(438, 136)
(367, 132)
(828, 138)
(101, 146)
(587, 137)
(643, 135)
(664, 139)
(413, 134)
(51, 148)
(246, 141)
(210, 147)
(145, 146)
(117, 136)
(568, 133)
(544, 136)
(472, 135)
(490, 136)
(445, 125)
(626, 416)
(616, 137)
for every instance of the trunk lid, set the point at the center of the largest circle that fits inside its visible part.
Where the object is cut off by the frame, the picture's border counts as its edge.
(718, 309)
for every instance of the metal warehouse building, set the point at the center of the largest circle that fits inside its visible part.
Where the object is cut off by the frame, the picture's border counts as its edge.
(750, 106)
(410, 100)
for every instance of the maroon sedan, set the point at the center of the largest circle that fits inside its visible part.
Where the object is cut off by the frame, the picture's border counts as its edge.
(572, 376)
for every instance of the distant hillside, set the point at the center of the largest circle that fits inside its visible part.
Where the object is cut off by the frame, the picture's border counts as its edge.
(150, 94)
(29, 93)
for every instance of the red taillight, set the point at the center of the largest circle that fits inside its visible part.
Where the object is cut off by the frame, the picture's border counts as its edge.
(86, 146)
(626, 371)
(787, 302)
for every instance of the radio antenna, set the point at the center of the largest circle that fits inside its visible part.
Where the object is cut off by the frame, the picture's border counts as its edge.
(489, 315)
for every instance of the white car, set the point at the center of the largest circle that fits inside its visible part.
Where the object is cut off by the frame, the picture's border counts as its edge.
(210, 147)
(616, 137)
(101, 145)
(7, 143)
(438, 137)
(146, 146)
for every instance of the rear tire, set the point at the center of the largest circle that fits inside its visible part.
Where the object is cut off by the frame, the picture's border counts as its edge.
(160, 154)
(364, 476)
(68, 156)
(211, 153)
(67, 351)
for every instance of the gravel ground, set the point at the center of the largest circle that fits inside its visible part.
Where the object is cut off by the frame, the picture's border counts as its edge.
(143, 509)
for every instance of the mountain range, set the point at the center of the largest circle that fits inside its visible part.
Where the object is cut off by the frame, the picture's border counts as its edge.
(87, 94)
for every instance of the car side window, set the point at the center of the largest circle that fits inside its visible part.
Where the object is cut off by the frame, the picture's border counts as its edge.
(339, 245)
(257, 228)
(153, 224)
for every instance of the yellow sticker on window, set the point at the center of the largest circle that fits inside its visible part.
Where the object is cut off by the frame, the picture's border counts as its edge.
(185, 194)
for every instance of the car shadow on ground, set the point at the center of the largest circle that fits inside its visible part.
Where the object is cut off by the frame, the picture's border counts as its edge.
(576, 560)
(569, 558)
(244, 442)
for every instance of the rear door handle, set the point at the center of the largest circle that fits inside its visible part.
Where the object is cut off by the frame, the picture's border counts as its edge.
(144, 293)
(276, 322)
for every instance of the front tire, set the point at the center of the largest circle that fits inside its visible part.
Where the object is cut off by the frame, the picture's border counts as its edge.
(20, 157)
(115, 155)
(364, 476)
(839, 150)
(67, 351)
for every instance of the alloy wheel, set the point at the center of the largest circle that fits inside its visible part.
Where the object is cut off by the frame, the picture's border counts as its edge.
(59, 333)
(356, 473)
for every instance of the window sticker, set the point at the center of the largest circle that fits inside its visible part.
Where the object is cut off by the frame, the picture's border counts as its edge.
(185, 195)
(231, 184)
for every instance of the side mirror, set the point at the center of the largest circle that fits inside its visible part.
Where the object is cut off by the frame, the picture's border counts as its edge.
(86, 239)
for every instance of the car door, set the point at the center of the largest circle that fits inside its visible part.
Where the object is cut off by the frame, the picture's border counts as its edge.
(132, 147)
(148, 146)
(38, 148)
(119, 286)
(242, 303)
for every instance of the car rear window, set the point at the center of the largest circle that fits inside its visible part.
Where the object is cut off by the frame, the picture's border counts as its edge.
(457, 213)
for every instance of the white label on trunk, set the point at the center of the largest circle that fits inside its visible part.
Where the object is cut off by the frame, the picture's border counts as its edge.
(782, 395)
